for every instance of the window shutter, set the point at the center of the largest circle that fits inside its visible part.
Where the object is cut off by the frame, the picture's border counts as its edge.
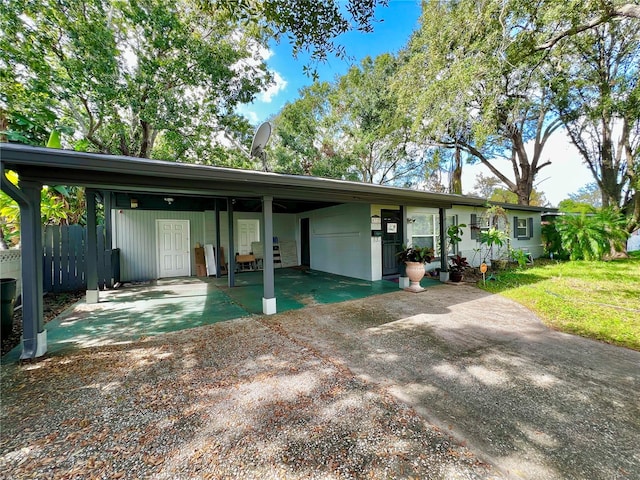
(515, 227)
(530, 220)
(473, 225)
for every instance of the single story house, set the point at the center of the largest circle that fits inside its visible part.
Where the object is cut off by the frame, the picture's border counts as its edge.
(157, 211)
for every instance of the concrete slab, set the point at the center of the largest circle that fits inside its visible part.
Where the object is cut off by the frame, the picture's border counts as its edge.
(297, 288)
(166, 305)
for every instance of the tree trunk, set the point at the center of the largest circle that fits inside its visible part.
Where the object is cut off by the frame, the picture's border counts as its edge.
(611, 192)
(456, 174)
(3, 125)
(146, 144)
(523, 174)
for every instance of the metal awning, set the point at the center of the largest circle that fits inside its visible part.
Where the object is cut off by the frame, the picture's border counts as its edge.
(118, 173)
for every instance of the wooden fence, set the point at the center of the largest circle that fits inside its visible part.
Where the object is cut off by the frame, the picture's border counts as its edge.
(64, 260)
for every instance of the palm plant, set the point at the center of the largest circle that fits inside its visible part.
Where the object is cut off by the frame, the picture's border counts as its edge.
(591, 237)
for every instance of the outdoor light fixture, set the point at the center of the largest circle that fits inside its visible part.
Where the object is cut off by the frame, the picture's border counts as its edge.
(411, 220)
(169, 200)
(134, 203)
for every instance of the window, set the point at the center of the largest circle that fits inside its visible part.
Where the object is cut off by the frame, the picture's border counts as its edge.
(478, 224)
(522, 228)
(425, 231)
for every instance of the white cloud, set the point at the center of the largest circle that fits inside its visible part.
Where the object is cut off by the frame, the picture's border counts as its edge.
(265, 53)
(250, 114)
(279, 84)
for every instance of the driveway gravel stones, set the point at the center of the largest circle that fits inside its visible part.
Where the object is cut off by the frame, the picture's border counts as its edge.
(451, 383)
(232, 400)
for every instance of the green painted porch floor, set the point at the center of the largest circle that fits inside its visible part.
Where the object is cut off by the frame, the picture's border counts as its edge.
(167, 305)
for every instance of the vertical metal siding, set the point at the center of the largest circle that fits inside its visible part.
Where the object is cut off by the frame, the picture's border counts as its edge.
(135, 234)
(284, 226)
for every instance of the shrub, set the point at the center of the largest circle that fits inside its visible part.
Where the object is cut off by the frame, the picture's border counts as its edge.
(553, 242)
(591, 237)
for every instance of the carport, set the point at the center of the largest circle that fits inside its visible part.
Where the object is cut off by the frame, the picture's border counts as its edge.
(105, 175)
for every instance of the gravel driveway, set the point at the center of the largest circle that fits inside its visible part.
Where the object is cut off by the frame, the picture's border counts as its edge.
(449, 383)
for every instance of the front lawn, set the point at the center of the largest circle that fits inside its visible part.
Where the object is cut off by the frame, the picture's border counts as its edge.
(599, 300)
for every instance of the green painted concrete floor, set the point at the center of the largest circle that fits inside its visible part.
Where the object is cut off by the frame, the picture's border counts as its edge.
(167, 305)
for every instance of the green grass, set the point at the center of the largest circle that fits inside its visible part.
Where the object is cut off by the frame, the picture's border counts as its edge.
(599, 300)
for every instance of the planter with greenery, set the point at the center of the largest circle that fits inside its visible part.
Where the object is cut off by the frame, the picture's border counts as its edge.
(415, 259)
(457, 264)
(494, 237)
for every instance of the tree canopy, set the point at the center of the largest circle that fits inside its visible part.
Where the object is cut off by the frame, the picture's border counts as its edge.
(469, 88)
(152, 78)
(350, 129)
(310, 26)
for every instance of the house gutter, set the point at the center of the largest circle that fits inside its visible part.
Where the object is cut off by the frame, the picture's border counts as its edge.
(71, 167)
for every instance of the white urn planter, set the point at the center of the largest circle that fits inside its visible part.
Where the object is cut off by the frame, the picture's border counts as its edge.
(415, 272)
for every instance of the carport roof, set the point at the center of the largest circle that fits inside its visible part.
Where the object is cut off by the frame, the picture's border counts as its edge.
(118, 173)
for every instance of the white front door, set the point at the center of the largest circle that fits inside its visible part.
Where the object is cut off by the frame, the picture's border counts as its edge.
(248, 231)
(174, 259)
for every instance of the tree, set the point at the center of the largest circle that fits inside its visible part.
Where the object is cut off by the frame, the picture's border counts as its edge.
(303, 140)
(485, 185)
(351, 129)
(58, 206)
(502, 195)
(127, 75)
(597, 95)
(489, 187)
(572, 206)
(589, 194)
(587, 199)
(311, 26)
(470, 88)
(590, 16)
(373, 132)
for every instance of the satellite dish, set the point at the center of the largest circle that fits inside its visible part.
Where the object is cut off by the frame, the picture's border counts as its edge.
(260, 140)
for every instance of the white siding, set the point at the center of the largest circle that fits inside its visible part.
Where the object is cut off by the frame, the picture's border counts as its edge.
(633, 244)
(340, 240)
(471, 248)
(284, 227)
(11, 267)
(135, 235)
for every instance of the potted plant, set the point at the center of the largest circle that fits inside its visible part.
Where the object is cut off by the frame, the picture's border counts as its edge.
(454, 234)
(457, 265)
(494, 237)
(414, 259)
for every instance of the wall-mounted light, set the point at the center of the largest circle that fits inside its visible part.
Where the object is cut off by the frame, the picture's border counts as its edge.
(134, 203)
(169, 200)
(411, 220)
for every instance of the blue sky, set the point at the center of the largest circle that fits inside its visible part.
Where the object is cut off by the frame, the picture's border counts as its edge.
(397, 21)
